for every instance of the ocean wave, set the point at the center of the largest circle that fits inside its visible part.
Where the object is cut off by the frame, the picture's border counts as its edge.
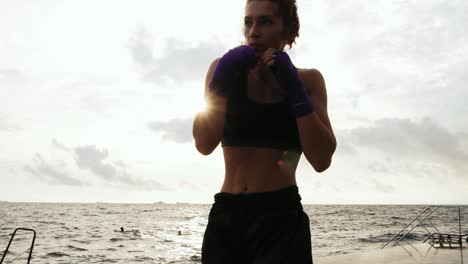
(337, 252)
(90, 215)
(113, 213)
(56, 254)
(195, 258)
(92, 238)
(76, 248)
(387, 236)
(81, 241)
(144, 259)
(135, 251)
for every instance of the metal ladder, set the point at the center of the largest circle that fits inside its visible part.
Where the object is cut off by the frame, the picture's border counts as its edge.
(30, 248)
(418, 220)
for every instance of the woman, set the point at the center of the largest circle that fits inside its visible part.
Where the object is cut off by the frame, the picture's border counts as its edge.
(265, 113)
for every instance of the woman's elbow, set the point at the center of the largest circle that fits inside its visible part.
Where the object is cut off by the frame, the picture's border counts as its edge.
(204, 148)
(322, 165)
(319, 164)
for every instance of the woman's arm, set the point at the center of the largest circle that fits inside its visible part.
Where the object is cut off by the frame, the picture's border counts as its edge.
(317, 138)
(222, 77)
(208, 125)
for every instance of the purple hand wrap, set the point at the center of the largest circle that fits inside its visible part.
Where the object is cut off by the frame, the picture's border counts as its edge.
(229, 69)
(290, 80)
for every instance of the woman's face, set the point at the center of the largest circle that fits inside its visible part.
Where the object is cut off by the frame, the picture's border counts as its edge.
(263, 27)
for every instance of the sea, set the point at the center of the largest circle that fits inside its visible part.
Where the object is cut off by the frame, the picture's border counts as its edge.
(173, 233)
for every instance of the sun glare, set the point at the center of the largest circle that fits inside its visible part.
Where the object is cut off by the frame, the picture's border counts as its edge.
(196, 103)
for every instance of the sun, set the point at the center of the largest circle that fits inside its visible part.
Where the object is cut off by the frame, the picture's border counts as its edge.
(194, 102)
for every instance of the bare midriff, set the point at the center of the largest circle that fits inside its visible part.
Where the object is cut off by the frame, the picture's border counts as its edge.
(251, 170)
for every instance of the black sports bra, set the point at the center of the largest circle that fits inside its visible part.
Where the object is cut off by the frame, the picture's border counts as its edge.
(253, 124)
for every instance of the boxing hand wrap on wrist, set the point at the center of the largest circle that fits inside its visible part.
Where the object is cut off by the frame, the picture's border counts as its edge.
(229, 69)
(290, 80)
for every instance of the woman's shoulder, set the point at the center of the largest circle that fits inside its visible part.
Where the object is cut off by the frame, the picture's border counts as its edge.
(310, 73)
(211, 68)
(214, 62)
(313, 81)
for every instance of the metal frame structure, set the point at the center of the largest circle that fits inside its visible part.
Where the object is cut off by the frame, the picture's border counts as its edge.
(437, 238)
(30, 248)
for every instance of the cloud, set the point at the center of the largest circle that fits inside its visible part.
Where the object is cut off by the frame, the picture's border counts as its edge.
(379, 167)
(345, 147)
(381, 187)
(176, 61)
(8, 75)
(417, 31)
(57, 145)
(53, 174)
(408, 145)
(408, 56)
(141, 48)
(6, 126)
(87, 158)
(184, 184)
(178, 130)
(120, 164)
(92, 159)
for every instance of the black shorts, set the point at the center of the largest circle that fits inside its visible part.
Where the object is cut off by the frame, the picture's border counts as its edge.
(258, 228)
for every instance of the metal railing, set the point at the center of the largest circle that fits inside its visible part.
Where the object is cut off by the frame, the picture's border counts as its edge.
(30, 248)
(442, 240)
(421, 218)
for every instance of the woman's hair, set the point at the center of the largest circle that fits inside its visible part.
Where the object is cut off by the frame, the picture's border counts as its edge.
(288, 11)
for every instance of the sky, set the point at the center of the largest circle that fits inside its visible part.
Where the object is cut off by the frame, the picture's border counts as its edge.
(97, 99)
